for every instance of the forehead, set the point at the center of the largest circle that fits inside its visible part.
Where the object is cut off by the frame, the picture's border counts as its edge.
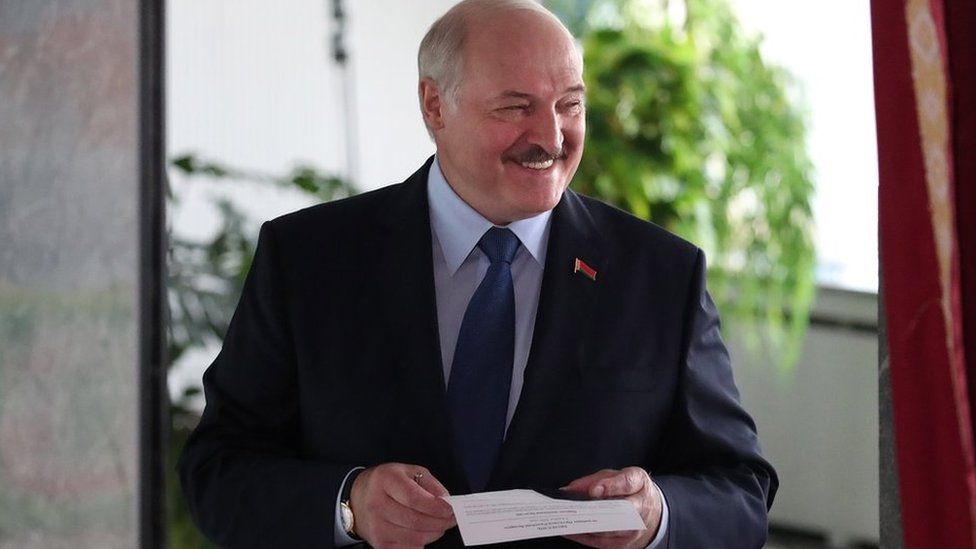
(521, 49)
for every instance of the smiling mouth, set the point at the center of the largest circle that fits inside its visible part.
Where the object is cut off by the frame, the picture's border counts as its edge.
(536, 158)
(545, 164)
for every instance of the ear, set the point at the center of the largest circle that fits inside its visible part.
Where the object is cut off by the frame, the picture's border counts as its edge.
(431, 104)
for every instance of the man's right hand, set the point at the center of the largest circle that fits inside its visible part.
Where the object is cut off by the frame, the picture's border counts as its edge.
(399, 504)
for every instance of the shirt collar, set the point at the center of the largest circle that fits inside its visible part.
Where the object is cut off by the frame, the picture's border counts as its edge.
(458, 227)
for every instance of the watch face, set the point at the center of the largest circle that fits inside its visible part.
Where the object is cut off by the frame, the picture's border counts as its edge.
(347, 520)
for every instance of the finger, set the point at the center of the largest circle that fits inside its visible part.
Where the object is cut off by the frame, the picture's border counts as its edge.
(430, 483)
(641, 505)
(388, 533)
(583, 484)
(433, 486)
(406, 517)
(405, 491)
(617, 534)
(588, 540)
(606, 539)
(611, 536)
(591, 540)
(649, 505)
(627, 482)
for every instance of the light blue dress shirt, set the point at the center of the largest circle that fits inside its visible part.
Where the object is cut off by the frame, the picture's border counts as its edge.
(459, 266)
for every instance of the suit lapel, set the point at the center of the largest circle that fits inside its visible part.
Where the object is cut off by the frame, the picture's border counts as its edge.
(402, 279)
(566, 303)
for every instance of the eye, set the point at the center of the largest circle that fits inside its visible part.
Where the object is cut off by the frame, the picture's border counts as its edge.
(512, 112)
(573, 106)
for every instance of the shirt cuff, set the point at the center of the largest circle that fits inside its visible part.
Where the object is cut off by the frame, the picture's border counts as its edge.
(340, 537)
(662, 530)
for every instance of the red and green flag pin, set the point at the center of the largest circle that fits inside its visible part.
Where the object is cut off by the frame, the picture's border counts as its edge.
(581, 267)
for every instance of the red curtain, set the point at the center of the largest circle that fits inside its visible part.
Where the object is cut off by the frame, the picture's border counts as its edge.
(925, 95)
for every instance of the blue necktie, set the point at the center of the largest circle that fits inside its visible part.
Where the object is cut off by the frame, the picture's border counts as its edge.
(481, 374)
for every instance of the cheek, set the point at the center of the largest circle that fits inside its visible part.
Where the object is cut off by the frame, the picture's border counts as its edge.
(574, 134)
(482, 148)
(497, 140)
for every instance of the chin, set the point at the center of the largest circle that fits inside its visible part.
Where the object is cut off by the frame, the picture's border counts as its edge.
(537, 203)
(532, 192)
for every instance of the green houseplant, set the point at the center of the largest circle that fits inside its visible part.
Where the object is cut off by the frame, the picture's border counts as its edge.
(690, 128)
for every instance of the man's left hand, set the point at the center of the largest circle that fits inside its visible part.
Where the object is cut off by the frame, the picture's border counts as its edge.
(633, 484)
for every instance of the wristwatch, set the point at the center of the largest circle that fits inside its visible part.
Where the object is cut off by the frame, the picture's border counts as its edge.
(345, 509)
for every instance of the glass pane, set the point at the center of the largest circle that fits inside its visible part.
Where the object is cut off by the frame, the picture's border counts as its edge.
(68, 273)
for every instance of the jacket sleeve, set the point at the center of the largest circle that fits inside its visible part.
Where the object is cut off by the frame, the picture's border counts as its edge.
(242, 472)
(718, 485)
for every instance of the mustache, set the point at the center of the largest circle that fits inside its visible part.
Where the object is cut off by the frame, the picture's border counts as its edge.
(536, 154)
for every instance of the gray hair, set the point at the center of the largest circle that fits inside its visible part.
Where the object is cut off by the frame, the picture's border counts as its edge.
(440, 55)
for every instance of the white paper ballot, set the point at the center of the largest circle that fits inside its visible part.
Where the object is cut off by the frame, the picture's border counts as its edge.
(510, 515)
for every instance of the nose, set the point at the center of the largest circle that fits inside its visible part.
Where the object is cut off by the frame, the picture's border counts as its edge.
(546, 131)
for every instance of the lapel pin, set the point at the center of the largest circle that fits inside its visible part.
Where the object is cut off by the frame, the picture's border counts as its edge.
(581, 267)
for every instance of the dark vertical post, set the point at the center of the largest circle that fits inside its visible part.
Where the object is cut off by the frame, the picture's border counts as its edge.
(889, 507)
(340, 54)
(153, 399)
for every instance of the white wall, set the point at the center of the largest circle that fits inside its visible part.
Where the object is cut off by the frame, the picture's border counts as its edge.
(254, 85)
(819, 424)
(826, 45)
(384, 36)
(251, 84)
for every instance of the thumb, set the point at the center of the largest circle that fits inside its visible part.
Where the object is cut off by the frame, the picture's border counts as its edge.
(585, 484)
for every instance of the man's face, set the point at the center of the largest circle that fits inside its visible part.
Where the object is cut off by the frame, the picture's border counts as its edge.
(513, 143)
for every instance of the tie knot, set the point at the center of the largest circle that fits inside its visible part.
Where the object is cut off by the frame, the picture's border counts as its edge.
(499, 245)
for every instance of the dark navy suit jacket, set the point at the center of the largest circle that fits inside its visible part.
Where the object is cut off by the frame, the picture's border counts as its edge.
(332, 361)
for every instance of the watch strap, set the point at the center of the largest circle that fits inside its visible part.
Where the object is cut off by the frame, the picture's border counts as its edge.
(345, 497)
(347, 487)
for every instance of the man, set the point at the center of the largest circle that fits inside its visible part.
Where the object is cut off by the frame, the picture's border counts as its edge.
(477, 327)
